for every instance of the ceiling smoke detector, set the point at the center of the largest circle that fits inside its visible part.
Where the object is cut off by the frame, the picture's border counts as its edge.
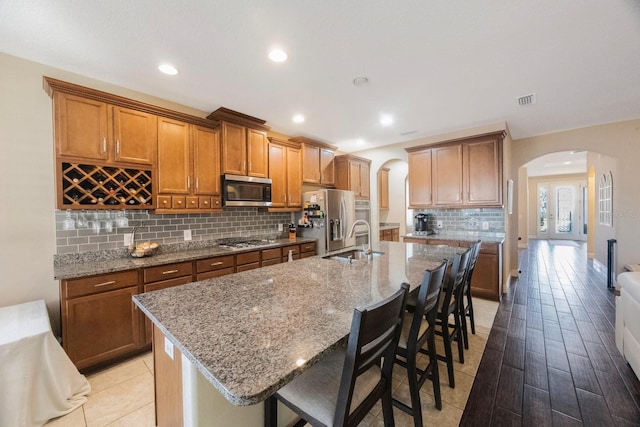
(360, 81)
(526, 99)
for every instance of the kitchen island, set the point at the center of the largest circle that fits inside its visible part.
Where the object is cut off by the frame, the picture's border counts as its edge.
(242, 337)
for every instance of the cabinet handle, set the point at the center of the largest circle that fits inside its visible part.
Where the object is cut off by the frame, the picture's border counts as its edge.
(244, 165)
(104, 145)
(188, 182)
(217, 263)
(197, 182)
(110, 282)
(117, 146)
(170, 271)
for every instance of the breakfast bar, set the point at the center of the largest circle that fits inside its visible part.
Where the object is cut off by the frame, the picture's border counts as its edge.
(223, 345)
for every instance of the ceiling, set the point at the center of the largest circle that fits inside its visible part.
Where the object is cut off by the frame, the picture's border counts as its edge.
(435, 66)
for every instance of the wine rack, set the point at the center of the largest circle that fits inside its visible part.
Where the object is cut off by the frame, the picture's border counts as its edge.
(105, 187)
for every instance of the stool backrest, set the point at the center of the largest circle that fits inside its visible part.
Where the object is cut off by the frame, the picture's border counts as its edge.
(374, 335)
(473, 258)
(428, 296)
(455, 281)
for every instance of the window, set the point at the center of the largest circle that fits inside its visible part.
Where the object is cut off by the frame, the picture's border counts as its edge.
(606, 199)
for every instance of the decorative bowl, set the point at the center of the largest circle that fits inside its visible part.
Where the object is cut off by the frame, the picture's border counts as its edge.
(143, 249)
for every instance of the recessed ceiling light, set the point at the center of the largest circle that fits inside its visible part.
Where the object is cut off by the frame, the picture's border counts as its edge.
(386, 120)
(567, 163)
(278, 55)
(360, 81)
(168, 69)
(360, 141)
(298, 118)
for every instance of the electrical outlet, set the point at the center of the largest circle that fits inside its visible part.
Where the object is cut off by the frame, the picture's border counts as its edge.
(128, 239)
(187, 235)
(439, 223)
(168, 347)
(485, 225)
(279, 227)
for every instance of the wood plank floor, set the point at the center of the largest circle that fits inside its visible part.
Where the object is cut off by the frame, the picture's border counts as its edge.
(551, 358)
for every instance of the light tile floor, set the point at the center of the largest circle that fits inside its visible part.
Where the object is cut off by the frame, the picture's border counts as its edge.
(122, 396)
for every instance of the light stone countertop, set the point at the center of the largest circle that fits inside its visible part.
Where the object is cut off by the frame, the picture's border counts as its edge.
(91, 268)
(389, 225)
(247, 332)
(465, 236)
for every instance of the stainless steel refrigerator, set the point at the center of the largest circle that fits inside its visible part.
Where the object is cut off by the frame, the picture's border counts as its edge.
(329, 215)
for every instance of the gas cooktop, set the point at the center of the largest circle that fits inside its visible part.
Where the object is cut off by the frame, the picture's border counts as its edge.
(242, 243)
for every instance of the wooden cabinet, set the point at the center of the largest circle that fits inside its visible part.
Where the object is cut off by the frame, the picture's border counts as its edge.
(390, 235)
(99, 320)
(247, 261)
(244, 144)
(215, 267)
(317, 161)
(307, 249)
(353, 174)
(463, 173)
(383, 188)
(482, 173)
(295, 252)
(94, 130)
(285, 171)
(271, 256)
(163, 277)
(188, 167)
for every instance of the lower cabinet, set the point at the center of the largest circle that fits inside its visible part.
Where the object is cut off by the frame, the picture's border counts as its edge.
(390, 235)
(215, 267)
(99, 320)
(293, 249)
(247, 261)
(307, 249)
(271, 257)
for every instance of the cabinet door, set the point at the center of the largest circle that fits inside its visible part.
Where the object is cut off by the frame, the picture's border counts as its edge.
(81, 127)
(278, 175)
(206, 161)
(327, 171)
(354, 177)
(294, 177)
(100, 327)
(383, 188)
(234, 149)
(447, 175)
(173, 157)
(257, 153)
(310, 164)
(482, 177)
(364, 180)
(420, 179)
(485, 281)
(135, 136)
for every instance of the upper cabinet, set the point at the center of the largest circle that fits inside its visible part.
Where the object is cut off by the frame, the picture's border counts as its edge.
(383, 188)
(244, 143)
(462, 173)
(188, 167)
(285, 171)
(95, 130)
(317, 161)
(353, 174)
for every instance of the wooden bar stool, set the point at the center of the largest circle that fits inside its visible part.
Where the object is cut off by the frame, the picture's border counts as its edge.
(327, 394)
(417, 330)
(466, 307)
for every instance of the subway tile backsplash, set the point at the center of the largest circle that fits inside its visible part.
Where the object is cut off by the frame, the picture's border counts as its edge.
(168, 228)
(466, 219)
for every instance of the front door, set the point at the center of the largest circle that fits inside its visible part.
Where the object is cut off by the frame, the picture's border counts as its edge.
(561, 210)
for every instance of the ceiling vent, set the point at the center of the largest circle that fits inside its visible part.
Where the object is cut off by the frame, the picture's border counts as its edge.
(409, 132)
(527, 99)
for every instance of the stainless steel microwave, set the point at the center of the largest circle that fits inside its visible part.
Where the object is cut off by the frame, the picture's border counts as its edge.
(238, 190)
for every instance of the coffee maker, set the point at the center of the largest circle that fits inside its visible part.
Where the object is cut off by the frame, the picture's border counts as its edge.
(422, 223)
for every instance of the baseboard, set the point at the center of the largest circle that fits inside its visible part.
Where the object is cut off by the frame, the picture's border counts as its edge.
(599, 266)
(591, 255)
(523, 245)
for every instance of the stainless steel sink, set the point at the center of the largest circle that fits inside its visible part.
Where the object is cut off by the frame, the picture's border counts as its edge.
(354, 255)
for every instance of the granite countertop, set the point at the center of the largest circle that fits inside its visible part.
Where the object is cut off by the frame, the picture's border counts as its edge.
(464, 236)
(248, 332)
(389, 225)
(84, 268)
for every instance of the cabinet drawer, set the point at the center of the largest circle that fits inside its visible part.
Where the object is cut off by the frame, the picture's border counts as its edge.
(273, 261)
(246, 267)
(92, 285)
(215, 273)
(164, 284)
(216, 202)
(489, 248)
(192, 202)
(294, 248)
(414, 240)
(212, 264)
(285, 258)
(275, 253)
(248, 258)
(164, 272)
(453, 243)
(178, 202)
(164, 202)
(308, 247)
(386, 232)
(307, 254)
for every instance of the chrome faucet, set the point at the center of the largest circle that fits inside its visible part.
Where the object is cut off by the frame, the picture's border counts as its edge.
(367, 251)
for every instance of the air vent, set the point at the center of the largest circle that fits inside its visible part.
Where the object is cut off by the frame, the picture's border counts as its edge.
(409, 132)
(527, 99)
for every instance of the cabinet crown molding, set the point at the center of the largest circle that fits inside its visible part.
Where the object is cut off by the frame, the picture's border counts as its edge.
(498, 135)
(280, 141)
(51, 85)
(345, 157)
(309, 141)
(227, 115)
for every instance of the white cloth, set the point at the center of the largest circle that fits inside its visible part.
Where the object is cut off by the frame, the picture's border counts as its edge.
(38, 381)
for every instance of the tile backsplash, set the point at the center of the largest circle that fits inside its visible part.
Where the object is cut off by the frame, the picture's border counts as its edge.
(168, 228)
(466, 219)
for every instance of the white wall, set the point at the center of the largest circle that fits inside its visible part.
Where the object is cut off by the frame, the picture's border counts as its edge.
(27, 187)
(398, 171)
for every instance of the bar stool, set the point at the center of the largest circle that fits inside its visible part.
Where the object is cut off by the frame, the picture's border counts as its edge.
(418, 330)
(327, 394)
(466, 309)
(447, 307)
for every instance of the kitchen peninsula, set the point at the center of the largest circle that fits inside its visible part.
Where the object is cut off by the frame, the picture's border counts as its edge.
(239, 338)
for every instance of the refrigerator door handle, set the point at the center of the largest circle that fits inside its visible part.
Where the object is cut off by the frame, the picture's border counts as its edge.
(343, 216)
